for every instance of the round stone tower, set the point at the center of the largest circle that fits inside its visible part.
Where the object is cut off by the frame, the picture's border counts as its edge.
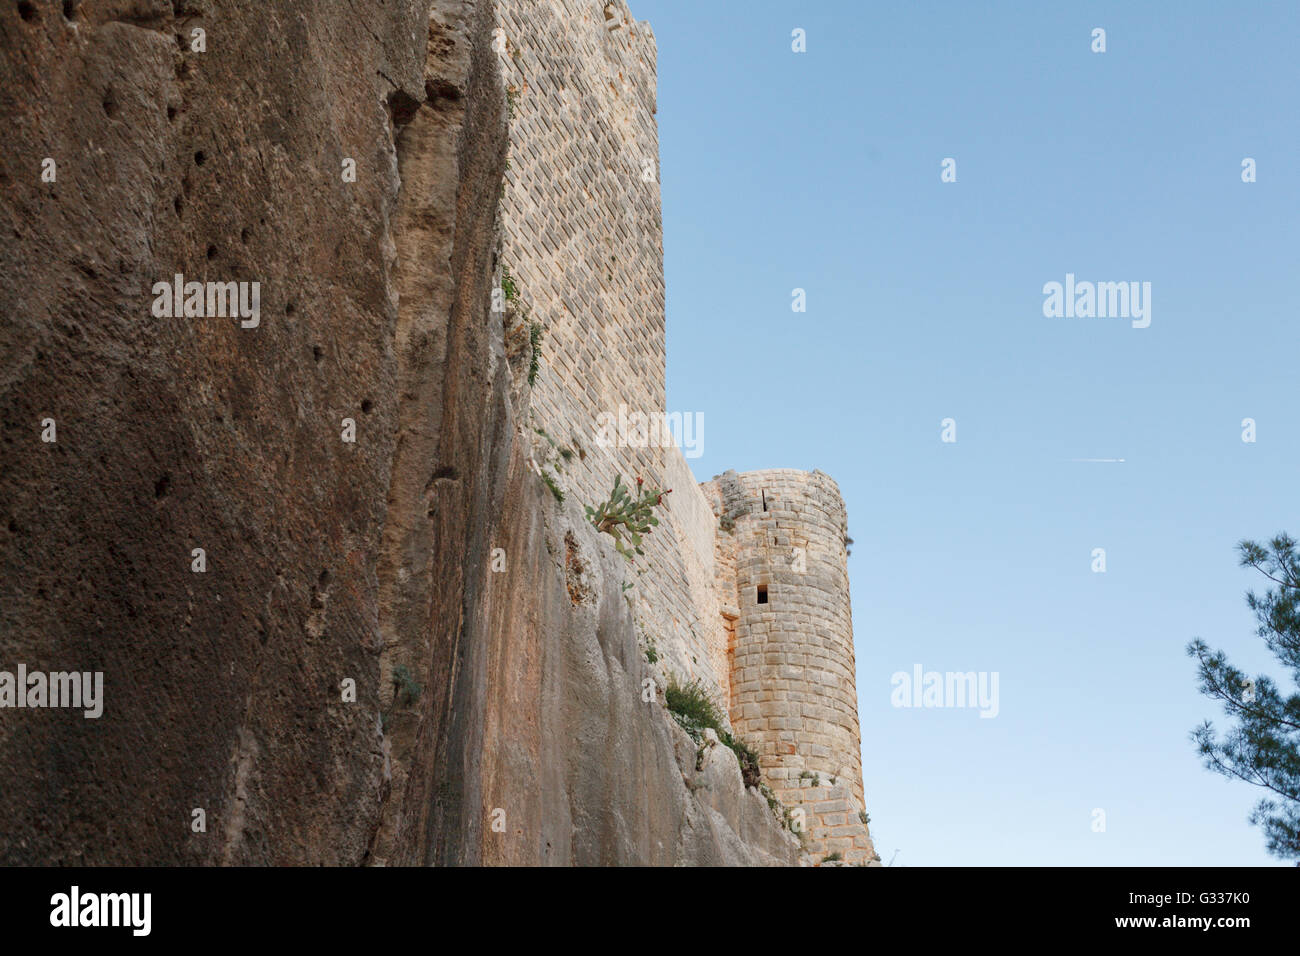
(793, 693)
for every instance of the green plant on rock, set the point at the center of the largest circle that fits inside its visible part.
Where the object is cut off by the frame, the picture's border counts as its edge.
(835, 857)
(750, 772)
(691, 705)
(565, 453)
(554, 486)
(787, 815)
(624, 515)
(406, 685)
(508, 287)
(695, 710)
(779, 809)
(535, 361)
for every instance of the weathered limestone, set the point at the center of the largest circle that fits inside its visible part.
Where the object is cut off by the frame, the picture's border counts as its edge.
(477, 690)
(222, 687)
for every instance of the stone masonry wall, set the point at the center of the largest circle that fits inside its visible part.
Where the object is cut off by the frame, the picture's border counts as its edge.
(793, 694)
(583, 244)
(583, 241)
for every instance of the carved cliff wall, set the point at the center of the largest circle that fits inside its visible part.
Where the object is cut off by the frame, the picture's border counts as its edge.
(401, 648)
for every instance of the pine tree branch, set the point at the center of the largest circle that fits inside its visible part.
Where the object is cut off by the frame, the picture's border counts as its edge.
(1231, 699)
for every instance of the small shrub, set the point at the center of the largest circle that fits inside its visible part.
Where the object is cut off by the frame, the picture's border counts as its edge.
(508, 287)
(553, 485)
(622, 515)
(565, 453)
(835, 857)
(406, 685)
(691, 706)
(781, 812)
(534, 363)
(750, 772)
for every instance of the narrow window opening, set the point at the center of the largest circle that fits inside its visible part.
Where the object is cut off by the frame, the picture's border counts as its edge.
(764, 494)
(762, 594)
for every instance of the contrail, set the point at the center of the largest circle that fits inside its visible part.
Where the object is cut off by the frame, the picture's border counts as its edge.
(1096, 459)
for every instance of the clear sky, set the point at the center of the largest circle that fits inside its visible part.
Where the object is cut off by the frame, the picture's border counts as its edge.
(821, 171)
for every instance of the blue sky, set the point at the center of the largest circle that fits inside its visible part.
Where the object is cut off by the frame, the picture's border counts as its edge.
(821, 171)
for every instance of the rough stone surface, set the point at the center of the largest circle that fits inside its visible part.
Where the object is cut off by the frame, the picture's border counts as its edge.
(174, 434)
(783, 563)
(477, 691)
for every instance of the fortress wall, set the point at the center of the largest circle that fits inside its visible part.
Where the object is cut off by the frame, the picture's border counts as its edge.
(695, 528)
(583, 240)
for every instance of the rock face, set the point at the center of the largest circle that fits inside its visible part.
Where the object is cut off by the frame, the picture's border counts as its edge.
(174, 434)
(579, 755)
(236, 525)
